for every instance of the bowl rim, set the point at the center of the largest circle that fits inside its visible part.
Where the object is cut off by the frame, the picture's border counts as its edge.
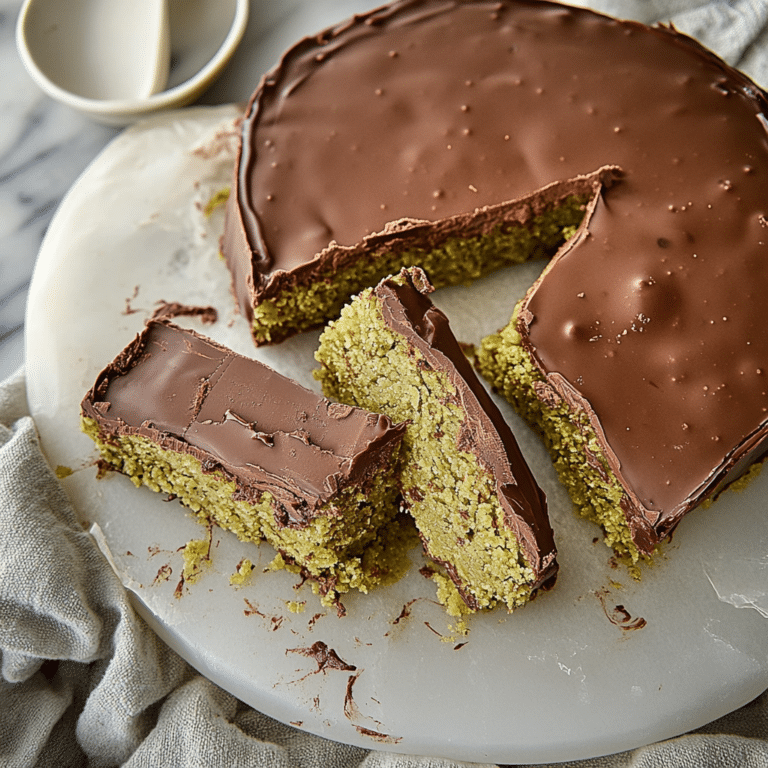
(170, 97)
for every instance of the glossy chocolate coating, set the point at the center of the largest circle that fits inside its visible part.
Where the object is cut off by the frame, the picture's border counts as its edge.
(408, 311)
(427, 109)
(237, 415)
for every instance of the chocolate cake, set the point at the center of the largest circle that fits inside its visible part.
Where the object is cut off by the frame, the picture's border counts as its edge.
(255, 452)
(462, 135)
(479, 511)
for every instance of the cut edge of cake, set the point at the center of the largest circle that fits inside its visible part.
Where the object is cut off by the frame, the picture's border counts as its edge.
(452, 251)
(573, 445)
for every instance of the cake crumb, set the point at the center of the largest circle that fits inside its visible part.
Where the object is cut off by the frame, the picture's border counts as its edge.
(217, 200)
(742, 483)
(461, 628)
(325, 657)
(129, 308)
(163, 574)
(172, 309)
(197, 555)
(242, 574)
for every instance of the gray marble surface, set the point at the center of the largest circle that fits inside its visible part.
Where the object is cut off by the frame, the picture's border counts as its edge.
(45, 146)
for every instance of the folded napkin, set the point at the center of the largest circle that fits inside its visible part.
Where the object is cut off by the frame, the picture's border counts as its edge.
(85, 682)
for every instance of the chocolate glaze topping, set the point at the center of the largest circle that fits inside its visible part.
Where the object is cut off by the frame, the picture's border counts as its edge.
(652, 322)
(240, 417)
(408, 311)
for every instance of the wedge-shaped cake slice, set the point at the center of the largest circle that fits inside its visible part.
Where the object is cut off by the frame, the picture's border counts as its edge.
(253, 451)
(479, 511)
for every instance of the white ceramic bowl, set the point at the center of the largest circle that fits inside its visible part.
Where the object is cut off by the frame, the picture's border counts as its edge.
(203, 36)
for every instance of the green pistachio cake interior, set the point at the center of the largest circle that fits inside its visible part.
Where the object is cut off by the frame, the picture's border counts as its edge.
(450, 494)
(356, 541)
(595, 492)
(456, 261)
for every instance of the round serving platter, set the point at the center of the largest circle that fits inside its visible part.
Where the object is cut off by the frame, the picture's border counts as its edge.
(598, 665)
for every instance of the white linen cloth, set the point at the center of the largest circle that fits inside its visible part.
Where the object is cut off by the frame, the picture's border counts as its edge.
(84, 682)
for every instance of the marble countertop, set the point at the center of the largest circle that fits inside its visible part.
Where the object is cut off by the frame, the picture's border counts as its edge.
(45, 146)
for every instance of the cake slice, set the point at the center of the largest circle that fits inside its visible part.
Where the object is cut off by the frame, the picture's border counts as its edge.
(623, 469)
(255, 452)
(480, 514)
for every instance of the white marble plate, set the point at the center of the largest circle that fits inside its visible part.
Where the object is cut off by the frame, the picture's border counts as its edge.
(598, 665)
